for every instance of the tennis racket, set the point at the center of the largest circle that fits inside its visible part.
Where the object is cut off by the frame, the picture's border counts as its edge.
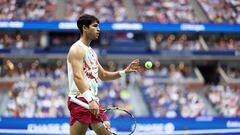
(112, 110)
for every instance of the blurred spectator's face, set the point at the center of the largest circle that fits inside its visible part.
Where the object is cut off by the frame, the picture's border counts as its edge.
(159, 38)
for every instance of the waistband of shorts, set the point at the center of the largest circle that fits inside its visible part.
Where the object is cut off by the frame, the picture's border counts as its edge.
(77, 96)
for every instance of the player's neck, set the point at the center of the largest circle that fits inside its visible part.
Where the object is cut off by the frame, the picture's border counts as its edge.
(85, 41)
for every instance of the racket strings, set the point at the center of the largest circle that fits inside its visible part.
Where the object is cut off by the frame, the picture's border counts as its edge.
(116, 111)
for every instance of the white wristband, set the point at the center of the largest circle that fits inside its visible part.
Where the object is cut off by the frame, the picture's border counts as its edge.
(122, 73)
(88, 95)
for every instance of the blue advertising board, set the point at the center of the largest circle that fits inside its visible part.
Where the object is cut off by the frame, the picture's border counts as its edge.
(122, 26)
(145, 126)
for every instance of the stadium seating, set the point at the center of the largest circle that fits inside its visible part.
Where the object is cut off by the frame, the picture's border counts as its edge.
(33, 60)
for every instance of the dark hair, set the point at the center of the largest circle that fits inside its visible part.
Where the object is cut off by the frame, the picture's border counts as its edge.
(86, 20)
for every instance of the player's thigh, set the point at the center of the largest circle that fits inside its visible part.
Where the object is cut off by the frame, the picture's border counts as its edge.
(100, 129)
(78, 128)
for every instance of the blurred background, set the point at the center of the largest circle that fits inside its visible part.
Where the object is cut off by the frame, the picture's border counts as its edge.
(193, 87)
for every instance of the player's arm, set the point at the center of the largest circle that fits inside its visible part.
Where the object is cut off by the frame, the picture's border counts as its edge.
(134, 66)
(106, 75)
(75, 57)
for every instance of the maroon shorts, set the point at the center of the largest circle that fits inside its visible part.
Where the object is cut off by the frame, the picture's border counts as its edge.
(83, 115)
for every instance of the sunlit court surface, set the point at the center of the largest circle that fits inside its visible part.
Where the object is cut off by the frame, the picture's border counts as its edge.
(189, 51)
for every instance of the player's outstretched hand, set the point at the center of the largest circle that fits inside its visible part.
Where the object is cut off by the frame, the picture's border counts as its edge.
(134, 66)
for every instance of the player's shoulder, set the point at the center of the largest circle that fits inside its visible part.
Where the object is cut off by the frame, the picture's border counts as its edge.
(76, 49)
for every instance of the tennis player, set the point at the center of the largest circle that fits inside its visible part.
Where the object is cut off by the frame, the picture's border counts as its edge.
(84, 72)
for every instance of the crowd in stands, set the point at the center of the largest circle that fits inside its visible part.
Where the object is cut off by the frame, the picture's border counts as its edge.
(175, 42)
(37, 92)
(170, 99)
(33, 69)
(107, 11)
(221, 11)
(28, 9)
(114, 93)
(232, 70)
(62, 40)
(222, 42)
(36, 99)
(18, 41)
(159, 41)
(236, 6)
(35, 40)
(40, 90)
(165, 11)
(218, 11)
(121, 41)
(225, 99)
(173, 72)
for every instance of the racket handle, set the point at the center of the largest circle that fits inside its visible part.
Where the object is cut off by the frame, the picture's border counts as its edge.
(76, 101)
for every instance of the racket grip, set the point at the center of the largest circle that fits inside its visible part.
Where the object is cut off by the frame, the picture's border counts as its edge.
(76, 101)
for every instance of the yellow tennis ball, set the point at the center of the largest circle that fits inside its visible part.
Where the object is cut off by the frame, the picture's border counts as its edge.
(148, 64)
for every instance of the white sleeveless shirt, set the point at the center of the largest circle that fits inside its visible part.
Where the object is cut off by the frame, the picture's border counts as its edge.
(90, 69)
